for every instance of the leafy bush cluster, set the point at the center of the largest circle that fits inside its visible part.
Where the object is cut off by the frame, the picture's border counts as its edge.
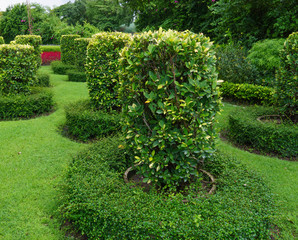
(1, 40)
(245, 129)
(170, 95)
(84, 123)
(81, 52)
(18, 67)
(101, 206)
(287, 80)
(247, 93)
(43, 80)
(102, 69)
(76, 76)
(68, 49)
(26, 106)
(61, 68)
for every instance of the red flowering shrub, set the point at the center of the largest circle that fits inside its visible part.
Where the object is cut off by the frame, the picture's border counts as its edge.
(48, 57)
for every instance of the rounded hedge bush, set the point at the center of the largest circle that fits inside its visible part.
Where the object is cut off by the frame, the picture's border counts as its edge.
(170, 94)
(68, 49)
(81, 52)
(102, 69)
(40, 101)
(59, 67)
(43, 79)
(18, 67)
(32, 40)
(100, 205)
(271, 138)
(287, 80)
(1, 40)
(76, 76)
(84, 123)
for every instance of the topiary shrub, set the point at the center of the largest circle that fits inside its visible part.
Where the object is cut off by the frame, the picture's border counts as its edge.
(32, 40)
(84, 123)
(76, 76)
(287, 81)
(169, 87)
(102, 69)
(26, 106)
(59, 67)
(68, 49)
(43, 79)
(2, 40)
(233, 66)
(18, 67)
(81, 52)
(50, 48)
(247, 93)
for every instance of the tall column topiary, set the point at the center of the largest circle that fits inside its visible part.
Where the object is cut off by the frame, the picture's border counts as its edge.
(68, 49)
(169, 88)
(81, 52)
(102, 69)
(286, 78)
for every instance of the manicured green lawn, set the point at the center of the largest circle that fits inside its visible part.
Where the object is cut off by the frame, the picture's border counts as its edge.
(34, 156)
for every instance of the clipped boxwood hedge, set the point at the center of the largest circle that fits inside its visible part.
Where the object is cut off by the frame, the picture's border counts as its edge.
(43, 79)
(245, 129)
(84, 123)
(81, 52)
(50, 48)
(18, 67)
(248, 93)
(99, 205)
(26, 106)
(102, 69)
(59, 67)
(1, 40)
(68, 49)
(76, 76)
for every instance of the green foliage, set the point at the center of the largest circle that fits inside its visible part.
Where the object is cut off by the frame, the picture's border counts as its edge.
(68, 53)
(233, 66)
(102, 69)
(85, 123)
(245, 129)
(76, 76)
(50, 48)
(32, 40)
(18, 67)
(100, 205)
(26, 106)
(81, 52)
(43, 79)
(1, 40)
(247, 93)
(168, 85)
(61, 68)
(286, 77)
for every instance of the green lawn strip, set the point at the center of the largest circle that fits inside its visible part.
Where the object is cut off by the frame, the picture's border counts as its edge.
(280, 175)
(33, 157)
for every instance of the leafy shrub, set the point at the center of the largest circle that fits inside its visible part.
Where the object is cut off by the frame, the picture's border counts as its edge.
(50, 48)
(233, 66)
(81, 52)
(84, 123)
(48, 57)
(76, 76)
(99, 205)
(1, 40)
(247, 93)
(32, 40)
(26, 106)
(18, 67)
(68, 47)
(286, 77)
(168, 84)
(245, 129)
(102, 69)
(43, 80)
(60, 68)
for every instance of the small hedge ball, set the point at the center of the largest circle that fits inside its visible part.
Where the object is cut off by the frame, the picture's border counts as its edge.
(18, 67)
(169, 88)
(68, 49)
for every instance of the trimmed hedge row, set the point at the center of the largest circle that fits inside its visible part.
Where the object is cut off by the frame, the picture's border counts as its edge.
(59, 67)
(26, 106)
(43, 80)
(68, 49)
(50, 48)
(245, 129)
(248, 93)
(76, 76)
(81, 52)
(84, 123)
(1, 40)
(101, 206)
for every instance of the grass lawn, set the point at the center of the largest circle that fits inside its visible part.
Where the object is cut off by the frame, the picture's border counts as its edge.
(34, 156)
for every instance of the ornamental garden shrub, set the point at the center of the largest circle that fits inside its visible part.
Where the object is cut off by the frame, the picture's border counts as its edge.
(18, 67)
(50, 53)
(1, 40)
(43, 79)
(32, 40)
(102, 69)
(286, 78)
(170, 94)
(81, 52)
(59, 67)
(68, 49)
(76, 76)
